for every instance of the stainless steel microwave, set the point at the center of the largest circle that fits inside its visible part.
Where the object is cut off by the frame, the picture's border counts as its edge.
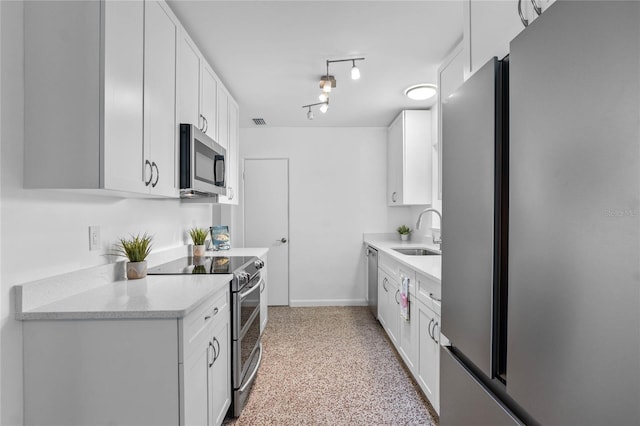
(202, 164)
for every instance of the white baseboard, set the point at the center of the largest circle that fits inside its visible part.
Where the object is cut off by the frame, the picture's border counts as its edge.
(332, 302)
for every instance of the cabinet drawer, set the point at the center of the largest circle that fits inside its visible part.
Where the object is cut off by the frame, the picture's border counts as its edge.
(193, 327)
(428, 291)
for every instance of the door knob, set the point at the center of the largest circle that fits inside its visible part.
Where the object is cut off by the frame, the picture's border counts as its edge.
(283, 240)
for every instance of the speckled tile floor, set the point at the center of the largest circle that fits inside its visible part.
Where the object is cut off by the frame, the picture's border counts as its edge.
(331, 366)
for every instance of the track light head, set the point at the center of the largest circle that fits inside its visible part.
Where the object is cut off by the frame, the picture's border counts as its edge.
(310, 114)
(324, 107)
(355, 71)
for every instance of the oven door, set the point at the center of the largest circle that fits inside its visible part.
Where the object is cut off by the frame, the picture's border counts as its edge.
(247, 305)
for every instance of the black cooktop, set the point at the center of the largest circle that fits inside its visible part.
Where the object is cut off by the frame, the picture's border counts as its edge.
(201, 265)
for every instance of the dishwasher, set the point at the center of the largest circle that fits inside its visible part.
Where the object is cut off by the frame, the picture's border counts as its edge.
(372, 280)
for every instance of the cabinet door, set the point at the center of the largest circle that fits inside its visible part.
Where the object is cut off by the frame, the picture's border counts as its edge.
(407, 335)
(392, 314)
(223, 117)
(122, 162)
(209, 101)
(383, 290)
(219, 373)
(394, 162)
(232, 158)
(188, 82)
(429, 353)
(159, 99)
(195, 385)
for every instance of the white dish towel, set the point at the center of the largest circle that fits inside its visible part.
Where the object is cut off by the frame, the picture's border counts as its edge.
(404, 298)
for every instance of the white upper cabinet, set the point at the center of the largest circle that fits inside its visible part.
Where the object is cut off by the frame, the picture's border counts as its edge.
(189, 63)
(233, 150)
(450, 77)
(409, 154)
(490, 25)
(160, 146)
(223, 117)
(209, 102)
(90, 123)
(197, 88)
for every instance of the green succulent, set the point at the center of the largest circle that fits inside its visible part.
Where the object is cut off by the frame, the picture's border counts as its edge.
(136, 248)
(198, 235)
(404, 230)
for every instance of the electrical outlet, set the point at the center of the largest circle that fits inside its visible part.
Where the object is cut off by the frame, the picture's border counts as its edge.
(94, 238)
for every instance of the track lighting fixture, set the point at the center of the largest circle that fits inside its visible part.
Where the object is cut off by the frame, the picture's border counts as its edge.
(324, 106)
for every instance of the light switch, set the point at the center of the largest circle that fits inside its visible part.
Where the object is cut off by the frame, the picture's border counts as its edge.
(94, 238)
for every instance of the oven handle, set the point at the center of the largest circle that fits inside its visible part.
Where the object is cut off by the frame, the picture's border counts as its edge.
(253, 374)
(252, 289)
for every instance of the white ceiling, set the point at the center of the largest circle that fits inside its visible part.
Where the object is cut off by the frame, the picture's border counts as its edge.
(271, 54)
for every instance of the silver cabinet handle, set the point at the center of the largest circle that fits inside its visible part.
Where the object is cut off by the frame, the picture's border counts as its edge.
(206, 124)
(201, 128)
(154, 165)
(432, 297)
(524, 20)
(148, 163)
(429, 328)
(215, 311)
(384, 284)
(231, 193)
(214, 350)
(436, 324)
(394, 197)
(537, 8)
(263, 286)
(396, 296)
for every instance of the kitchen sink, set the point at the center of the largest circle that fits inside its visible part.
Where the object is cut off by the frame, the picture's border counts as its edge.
(417, 251)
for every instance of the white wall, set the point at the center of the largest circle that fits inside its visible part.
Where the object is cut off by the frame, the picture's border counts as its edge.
(337, 193)
(45, 233)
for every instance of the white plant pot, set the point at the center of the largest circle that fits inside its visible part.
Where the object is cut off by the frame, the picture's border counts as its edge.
(136, 270)
(199, 250)
(404, 237)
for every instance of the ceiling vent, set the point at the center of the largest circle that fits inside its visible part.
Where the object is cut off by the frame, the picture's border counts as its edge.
(259, 121)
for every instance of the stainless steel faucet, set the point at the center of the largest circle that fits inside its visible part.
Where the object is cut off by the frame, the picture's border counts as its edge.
(435, 241)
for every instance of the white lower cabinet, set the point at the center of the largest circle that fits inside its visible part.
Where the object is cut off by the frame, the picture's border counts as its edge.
(428, 374)
(387, 308)
(416, 340)
(130, 371)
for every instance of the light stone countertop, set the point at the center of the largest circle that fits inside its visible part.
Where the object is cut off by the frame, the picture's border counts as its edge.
(156, 296)
(428, 265)
(98, 293)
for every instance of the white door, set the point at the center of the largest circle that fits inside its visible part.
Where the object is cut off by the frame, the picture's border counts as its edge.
(266, 220)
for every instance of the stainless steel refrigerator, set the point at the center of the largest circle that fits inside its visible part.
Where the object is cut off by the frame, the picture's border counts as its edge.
(541, 229)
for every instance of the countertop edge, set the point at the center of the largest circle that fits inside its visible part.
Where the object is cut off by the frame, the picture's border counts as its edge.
(383, 244)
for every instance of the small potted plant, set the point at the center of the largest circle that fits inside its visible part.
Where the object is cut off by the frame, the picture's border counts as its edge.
(198, 235)
(404, 232)
(136, 249)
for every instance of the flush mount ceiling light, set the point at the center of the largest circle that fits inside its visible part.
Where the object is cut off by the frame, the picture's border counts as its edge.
(421, 92)
(324, 106)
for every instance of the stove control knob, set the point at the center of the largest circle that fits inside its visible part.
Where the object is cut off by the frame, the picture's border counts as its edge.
(259, 264)
(243, 277)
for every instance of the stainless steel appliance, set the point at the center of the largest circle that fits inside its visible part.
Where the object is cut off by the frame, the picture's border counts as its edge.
(202, 164)
(541, 249)
(372, 280)
(246, 286)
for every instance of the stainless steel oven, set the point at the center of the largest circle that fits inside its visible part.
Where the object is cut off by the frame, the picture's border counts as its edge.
(247, 282)
(246, 349)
